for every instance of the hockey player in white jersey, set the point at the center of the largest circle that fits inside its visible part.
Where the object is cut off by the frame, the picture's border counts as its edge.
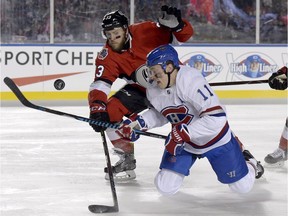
(181, 95)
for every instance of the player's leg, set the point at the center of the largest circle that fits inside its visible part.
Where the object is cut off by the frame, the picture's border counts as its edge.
(233, 167)
(128, 100)
(172, 172)
(259, 166)
(279, 156)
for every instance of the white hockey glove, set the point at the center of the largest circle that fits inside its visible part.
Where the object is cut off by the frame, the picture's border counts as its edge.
(171, 18)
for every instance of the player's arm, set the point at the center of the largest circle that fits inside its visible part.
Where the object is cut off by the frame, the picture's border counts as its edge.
(171, 18)
(97, 99)
(98, 94)
(278, 80)
(147, 120)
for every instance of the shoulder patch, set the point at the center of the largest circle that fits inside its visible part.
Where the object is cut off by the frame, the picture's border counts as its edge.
(103, 54)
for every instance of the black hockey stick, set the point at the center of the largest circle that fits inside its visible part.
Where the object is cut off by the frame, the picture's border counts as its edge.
(238, 82)
(104, 208)
(10, 83)
(14, 88)
(25, 102)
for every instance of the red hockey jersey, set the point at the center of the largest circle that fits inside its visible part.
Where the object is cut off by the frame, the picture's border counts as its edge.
(145, 36)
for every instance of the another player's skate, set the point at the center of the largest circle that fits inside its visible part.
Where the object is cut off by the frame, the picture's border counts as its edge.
(276, 158)
(123, 170)
(256, 164)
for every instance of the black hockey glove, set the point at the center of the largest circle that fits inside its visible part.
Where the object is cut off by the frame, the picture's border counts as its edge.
(171, 18)
(278, 80)
(98, 111)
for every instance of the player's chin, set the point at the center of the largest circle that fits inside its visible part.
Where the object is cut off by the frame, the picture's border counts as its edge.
(116, 47)
(160, 85)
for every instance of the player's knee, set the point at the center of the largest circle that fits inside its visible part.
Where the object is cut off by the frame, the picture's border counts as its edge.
(245, 184)
(168, 182)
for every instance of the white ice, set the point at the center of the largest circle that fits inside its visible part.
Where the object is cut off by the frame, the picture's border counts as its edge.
(53, 166)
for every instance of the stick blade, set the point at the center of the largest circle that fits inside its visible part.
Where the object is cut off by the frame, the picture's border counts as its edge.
(13, 87)
(102, 209)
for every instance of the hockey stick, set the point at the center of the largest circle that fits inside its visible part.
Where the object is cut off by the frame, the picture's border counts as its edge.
(9, 82)
(104, 208)
(25, 102)
(238, 83)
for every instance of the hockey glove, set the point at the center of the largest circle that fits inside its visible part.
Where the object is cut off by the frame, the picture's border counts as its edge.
(278, 80)
(126, 129)
(176, 138)
(98, 111)
(171, 18)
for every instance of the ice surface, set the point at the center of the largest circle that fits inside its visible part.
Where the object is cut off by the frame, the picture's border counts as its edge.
(53, 166)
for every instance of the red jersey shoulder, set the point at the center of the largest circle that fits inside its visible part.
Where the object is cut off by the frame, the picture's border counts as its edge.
(103, 54)
(142, 26)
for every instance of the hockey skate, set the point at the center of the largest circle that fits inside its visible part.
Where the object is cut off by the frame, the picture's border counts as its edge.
(276, 158)
(256, 164)
(123, 170)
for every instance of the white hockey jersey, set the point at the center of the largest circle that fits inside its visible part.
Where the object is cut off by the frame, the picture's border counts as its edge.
(193, 102)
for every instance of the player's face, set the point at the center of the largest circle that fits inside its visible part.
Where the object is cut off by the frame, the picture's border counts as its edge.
(157, 75)
(116, 38)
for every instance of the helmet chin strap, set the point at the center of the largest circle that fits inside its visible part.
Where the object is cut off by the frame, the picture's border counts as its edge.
(169, 76)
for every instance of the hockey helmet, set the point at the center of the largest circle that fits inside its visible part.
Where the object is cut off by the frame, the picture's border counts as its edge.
(113, 20)
(163, 55)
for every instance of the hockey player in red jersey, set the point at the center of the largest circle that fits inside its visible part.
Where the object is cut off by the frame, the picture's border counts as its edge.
(124, 56)
(277, 158)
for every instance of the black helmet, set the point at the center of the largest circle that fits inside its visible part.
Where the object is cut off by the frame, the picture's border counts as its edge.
(113, 20)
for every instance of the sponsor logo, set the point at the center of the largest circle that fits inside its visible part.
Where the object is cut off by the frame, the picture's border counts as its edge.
(205, 63)
(36, 57)
(232, 174)
(252, 66)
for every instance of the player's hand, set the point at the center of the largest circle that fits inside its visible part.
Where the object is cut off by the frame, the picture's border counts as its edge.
(278, 80)
(176, 138)
(173, 147)
(171, 18)
(98, 111)
(126, 129)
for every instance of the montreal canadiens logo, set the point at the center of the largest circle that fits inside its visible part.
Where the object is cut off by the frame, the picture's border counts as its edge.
(177, 114)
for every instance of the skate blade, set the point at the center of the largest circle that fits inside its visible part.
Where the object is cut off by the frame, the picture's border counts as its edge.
(122, 176)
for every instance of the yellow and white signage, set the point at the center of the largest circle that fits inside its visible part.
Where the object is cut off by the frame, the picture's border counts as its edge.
(64, 72)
